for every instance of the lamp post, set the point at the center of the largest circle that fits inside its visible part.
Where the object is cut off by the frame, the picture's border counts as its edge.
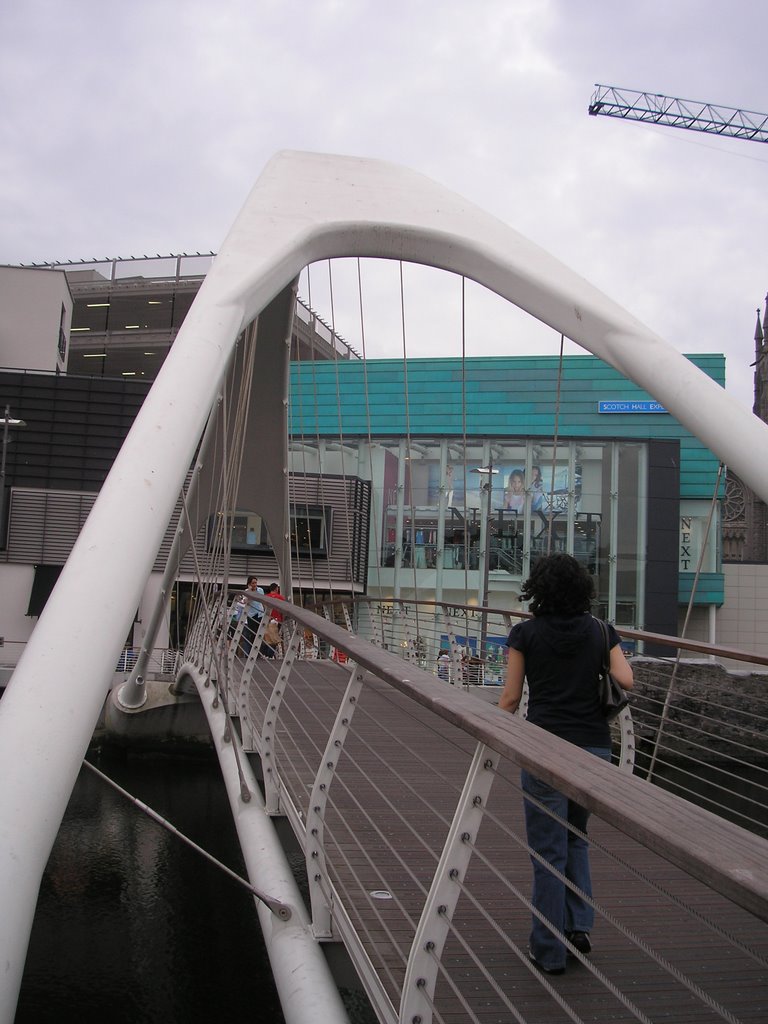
(490, 472)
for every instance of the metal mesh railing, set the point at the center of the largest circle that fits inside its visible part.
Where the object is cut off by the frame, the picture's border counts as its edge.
(374, 765)
(163, 661)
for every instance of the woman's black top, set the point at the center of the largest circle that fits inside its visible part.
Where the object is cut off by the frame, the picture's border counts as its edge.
(563, 657)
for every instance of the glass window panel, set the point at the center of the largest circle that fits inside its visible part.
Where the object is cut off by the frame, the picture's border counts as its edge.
(194, 266)
(152, 267)
(310, 529)
(139, 312)
(89, 314)
(181, 303)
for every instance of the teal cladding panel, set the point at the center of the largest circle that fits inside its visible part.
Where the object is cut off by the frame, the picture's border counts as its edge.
(709, 590)
(505, 397)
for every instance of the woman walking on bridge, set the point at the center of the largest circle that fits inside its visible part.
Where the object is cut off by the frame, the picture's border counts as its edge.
(560, 652)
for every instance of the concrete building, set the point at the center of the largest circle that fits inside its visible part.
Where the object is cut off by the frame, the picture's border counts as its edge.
(36, 320)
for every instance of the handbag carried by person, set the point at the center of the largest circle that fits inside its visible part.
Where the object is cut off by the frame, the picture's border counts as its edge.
(613, 698)
(272, 634)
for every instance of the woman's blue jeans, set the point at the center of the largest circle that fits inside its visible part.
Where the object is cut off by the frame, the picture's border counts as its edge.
(566, 852)
(250, 629)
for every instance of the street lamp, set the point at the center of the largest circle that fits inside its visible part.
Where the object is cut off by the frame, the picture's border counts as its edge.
(489, 472)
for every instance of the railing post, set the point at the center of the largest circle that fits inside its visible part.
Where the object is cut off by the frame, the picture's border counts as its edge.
(411, 653)
(421, 972)
(455, 672)
(347, 618)
(249, 730)
(317, 872)
(377, 625)
(190, 642)
(234, 644)
(205, 643)
(254, 653)
(398, 629)
(368, 621)
(332, 651)
(626, 728)
(269, 726)
(220, 662)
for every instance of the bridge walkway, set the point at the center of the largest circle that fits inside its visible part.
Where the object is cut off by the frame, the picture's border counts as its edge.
(394, 792)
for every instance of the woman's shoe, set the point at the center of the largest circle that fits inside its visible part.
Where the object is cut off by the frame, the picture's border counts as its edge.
(542, 968)
(581, 941)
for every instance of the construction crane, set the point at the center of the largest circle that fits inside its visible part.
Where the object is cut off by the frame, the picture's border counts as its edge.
(653, 108)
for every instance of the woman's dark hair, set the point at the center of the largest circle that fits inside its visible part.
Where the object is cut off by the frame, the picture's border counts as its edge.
(558, 585)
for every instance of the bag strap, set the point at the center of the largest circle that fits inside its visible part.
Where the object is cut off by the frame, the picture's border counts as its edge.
(606, 644)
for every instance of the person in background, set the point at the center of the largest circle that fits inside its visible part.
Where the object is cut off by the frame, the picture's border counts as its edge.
(273, 590)
(273, 634)
(254, 612)
(560, 652)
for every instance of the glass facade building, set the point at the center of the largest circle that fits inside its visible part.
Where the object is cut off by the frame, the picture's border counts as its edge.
(476, 470)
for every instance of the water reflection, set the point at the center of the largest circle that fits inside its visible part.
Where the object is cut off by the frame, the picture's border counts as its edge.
(132, 925)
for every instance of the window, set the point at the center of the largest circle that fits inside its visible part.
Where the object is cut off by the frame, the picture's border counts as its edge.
(45, 580)
(62, 343)
(249, 533)
(310, 531)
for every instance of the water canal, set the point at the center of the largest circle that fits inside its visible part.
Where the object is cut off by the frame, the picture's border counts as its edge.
(132, 925)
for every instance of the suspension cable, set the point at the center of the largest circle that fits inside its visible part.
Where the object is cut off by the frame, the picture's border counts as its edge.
(320, 468)
(296, 577)
(377, 540)
(408, 442)
(280, 910)
(464, 444)
(340, 419)
(551, 517)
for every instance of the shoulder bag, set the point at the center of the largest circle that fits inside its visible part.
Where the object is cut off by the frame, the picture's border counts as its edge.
(613, 698)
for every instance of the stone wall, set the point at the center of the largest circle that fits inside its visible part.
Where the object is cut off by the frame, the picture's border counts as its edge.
(715, 715)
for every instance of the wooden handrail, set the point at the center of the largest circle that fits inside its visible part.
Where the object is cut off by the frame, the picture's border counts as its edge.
(724, 856)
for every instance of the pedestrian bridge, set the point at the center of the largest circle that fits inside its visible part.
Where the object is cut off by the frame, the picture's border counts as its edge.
(400, 787)
(403, 792)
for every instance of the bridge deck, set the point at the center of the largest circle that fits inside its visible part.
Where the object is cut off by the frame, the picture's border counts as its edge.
(393, 797)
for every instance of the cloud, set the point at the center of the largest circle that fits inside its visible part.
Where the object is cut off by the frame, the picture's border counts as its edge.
(139, 128)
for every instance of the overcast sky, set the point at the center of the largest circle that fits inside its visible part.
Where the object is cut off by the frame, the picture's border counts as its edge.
(140, 127)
